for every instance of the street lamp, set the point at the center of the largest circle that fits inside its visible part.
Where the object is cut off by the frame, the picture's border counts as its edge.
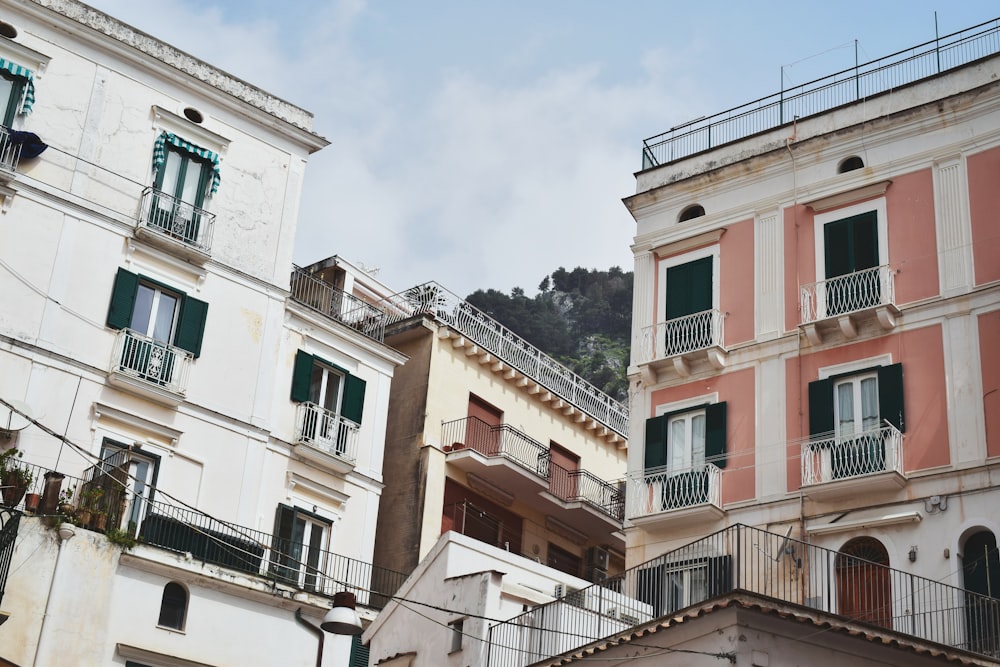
(342, 619)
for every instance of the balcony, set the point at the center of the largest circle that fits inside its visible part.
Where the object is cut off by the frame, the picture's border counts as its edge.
(746, 560)
(197, 537)
(872, 461)
(675, 497)
(178, 227)
(682, 341)
(146, 366)
(520, 466)
(10, 151)
(326, 437)
(847, 302)
(338, 305)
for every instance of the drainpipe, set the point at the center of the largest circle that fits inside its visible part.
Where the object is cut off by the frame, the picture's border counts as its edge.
(316, 631)
(65, 532)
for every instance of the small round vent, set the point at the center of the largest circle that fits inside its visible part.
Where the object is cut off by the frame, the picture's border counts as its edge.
(7, 30)
(193, 115)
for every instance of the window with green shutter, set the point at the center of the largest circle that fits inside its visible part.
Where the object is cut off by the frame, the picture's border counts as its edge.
(331, 387)
(157, 311)
(359, 653)
(687, 439)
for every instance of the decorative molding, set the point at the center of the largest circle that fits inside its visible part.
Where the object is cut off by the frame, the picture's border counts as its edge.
(336, 497)
(887, 520)
(690, 243)
(105, 411)
(187, 130)
(24, 56)
(833, 201)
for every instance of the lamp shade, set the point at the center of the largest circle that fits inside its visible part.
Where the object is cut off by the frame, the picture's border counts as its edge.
(342, 619)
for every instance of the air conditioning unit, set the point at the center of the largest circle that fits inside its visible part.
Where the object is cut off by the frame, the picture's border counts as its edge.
(597, 558)
(596, 575)
(562, 590)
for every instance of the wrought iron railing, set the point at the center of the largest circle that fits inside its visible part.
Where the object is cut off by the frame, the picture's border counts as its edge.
(849, 293)
(465, 518)
(338, 305)
(434, 300)
(682, 335)
(157, 364)
(870, 452)
(849, 85)
(524, 451)
(177, 219)
(656, 491)
(9, 521)
(742, 558)
(10, 151)
(327, 431)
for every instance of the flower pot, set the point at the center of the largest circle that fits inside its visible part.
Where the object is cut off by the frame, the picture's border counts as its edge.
(13, 490)
(31, 501)
(99, 522)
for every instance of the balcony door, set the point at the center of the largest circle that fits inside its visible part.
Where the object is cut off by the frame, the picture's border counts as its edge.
(325, 387)
(136, 470)
(688, 291)
(562, 469)
(859, 448)
(849, 246)
(482, 431)
(181, 184)
(981, 574)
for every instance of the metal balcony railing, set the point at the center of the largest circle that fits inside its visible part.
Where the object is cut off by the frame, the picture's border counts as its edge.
(829, 92)
(10, 151)
(656, 491)
(150, 361)
(465, 518)
(176, 219)
(166, 525)
(683, 335)
(327, 431)
(434, 300)
(526, 452)
(742, 558)
(867, 453)
(338, 305)
(849, 293)
(9, 521)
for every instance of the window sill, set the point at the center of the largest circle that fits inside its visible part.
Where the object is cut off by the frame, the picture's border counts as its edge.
(171, 630)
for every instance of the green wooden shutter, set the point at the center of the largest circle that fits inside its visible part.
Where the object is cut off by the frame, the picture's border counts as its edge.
(354, 398)
(656, 442)
(122, 299)
(820, 407)
(890, 395)
(851, 244)
(689, 288)
(191, 325)
(715, 434)
(301, 376)
(359, 653)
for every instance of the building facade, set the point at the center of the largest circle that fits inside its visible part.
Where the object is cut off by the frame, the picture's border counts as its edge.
(168, 377)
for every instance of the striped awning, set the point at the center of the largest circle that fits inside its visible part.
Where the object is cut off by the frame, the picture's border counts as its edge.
(28, 94)
(160, 155)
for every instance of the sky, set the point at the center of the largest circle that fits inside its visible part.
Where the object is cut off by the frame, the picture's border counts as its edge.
(484, 144)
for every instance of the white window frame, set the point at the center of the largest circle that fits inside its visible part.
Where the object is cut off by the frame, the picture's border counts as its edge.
(882, 227)
(676, 260)
(687, 404)
(158, 291)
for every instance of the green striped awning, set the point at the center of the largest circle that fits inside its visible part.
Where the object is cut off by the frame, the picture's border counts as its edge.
(160, 155)
(28, 95)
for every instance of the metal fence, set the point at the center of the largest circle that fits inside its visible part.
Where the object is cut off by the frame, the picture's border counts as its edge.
(849, 293)
(9, 520)
(434, 300)
(177, 219)
(327, 432)
(698, 331)
(144, 358)
(338, 305)
(652, 492)
(870, 452)
(753, 560)
(849, 85)
(10, 151)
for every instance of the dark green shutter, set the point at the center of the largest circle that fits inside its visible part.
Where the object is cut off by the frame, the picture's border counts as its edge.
(689, 288)
(191, 325)
(122, 299)
(820, 407)
(656, 442)
(715, 434)
(354, 398)
(851, 245)
(301, 376)
(890, 395)
(359, 653)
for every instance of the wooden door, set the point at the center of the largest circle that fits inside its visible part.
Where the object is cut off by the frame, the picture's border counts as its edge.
(864, 589)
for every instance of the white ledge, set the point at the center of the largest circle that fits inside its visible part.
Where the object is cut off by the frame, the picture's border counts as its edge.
(841, 198)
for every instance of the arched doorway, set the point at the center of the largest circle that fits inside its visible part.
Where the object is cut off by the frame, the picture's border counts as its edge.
(864, 591)
(981, 574)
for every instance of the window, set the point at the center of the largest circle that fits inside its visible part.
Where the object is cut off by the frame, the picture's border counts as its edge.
(457, 634)
(136, 472)
(359, 653)
(851, 243)
(848, 415)
(173, 606)
(981, 578)
(864, 589)
(689, 294)
(185, 174)
(156, 312)
(678, 446)
(691, 212)
(11, 92)
(672, 586)
(332, 402)
(850, 164)
(301, 540)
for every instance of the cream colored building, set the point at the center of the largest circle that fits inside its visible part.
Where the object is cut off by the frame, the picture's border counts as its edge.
(194, 390)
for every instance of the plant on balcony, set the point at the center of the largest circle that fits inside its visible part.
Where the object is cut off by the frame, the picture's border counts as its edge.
(15, 478)
(122, 538)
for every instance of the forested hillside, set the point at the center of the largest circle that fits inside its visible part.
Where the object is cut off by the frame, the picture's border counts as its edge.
(581, 317)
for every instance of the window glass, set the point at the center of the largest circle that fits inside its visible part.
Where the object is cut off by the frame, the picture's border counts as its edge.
(856, 405)
(154, 313)
(173, 606)
(686, 441)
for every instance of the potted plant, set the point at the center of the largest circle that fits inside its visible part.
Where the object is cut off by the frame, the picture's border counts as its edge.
(90, 505)
(14, 477)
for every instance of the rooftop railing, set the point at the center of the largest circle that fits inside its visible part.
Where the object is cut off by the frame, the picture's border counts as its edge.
(337, 304)
(743, 558)
(815, 97)
(434, 300)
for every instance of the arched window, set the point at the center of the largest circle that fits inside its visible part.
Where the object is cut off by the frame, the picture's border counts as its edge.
(850, 164)
(173, 607)
(981, 577)
(693, 211)
(864, 591)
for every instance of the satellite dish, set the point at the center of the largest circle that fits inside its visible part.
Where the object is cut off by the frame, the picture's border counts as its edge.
(11, 420)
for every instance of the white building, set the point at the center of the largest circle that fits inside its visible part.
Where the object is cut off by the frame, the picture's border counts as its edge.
(193, 396)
